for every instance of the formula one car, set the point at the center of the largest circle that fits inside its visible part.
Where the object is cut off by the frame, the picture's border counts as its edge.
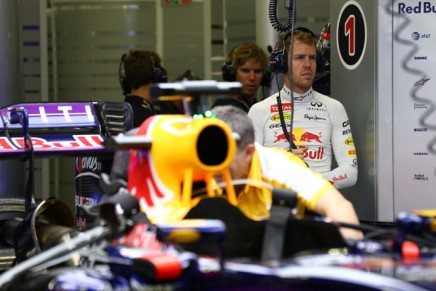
(210, 244)
(126, 251)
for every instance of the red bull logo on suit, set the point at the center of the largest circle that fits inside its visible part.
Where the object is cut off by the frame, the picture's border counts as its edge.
(299, 136)
(304, 138)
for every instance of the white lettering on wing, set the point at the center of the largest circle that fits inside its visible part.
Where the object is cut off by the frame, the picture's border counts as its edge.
(65, 110)
(43, 114)
(89, 113)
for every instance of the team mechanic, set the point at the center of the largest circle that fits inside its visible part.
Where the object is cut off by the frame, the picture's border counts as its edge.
(321, 129)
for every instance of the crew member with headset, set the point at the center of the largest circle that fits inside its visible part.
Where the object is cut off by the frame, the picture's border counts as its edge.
(246, 63)
(299, 116)
(139, 69)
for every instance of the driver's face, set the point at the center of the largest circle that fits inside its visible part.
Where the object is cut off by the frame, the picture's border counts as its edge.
(303, 66)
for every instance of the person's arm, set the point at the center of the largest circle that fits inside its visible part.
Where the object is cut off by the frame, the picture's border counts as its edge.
(345, 174)
(316, 193)
(334, 206)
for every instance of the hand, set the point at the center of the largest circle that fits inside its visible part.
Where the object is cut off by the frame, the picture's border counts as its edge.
(299, 152)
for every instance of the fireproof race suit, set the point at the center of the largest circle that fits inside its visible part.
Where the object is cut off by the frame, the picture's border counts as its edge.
(320, 123)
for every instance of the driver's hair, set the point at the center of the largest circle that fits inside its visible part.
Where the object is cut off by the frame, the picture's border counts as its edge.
(239, 123)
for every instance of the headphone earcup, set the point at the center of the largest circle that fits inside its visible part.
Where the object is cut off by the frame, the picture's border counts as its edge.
(122, 76)
(278, 62)
(227, 72)
(266, 80)
(159, 75)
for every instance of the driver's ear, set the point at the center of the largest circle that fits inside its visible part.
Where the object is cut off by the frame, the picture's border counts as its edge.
(249, 150)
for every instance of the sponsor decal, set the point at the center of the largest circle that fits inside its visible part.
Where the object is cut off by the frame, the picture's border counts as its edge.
(46, 115)
(276, 117)
(420, 106)
(300, 97)
(420, 129)
(345, 123)
(322, 109)
(302, 137)
(285, 106)
(420, 154)
(420, 58)
(349, 141)
(317, 154)
(346, 132)
(415, 36)
(299, 136)
(315, 104)
(421, 82)
(420, 177)
(88, 164)
(86, 201)
(340, 178)
(281, 137)
(273, 126)
(423, 7)
(140, 237)
(351, 153)
(39, 144)
(310, 137)
(314, 117)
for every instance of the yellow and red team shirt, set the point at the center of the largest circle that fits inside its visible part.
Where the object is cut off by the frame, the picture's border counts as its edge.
(282, 169)
(319, 123)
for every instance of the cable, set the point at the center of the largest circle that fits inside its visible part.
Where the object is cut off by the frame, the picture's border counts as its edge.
(283, 28)
(282, 121)
(273, 15)
(30, 185)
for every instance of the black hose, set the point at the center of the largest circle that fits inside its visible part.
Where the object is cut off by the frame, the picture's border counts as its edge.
(275, 22)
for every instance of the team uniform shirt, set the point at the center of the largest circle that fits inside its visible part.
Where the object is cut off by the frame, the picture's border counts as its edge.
(280, 169)
(141, 109)
(320, 123)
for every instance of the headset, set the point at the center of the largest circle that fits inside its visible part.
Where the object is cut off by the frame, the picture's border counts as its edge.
(159, 73)
(229, 75)
(278, 59)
